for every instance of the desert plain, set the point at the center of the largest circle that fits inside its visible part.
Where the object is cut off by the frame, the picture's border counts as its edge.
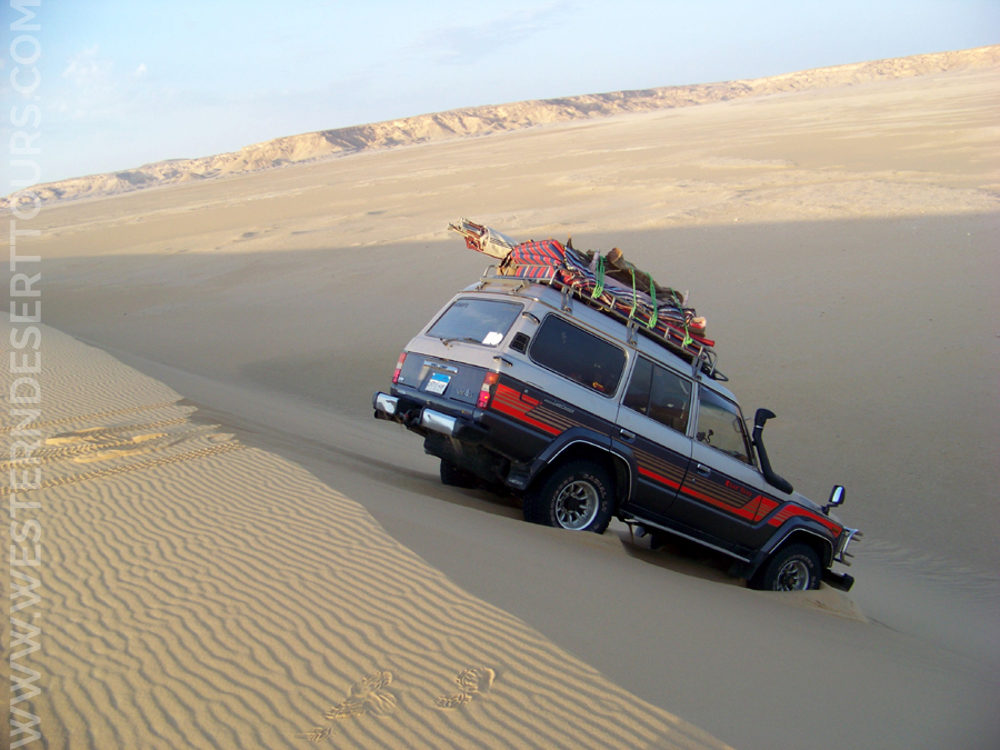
(231, 552)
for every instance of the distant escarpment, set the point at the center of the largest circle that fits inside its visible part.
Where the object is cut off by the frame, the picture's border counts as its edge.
(487, 120)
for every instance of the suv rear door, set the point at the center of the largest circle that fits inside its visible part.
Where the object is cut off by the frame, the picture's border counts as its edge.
(653, 421)
(446, 364)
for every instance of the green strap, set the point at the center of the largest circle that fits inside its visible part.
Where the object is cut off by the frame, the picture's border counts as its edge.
(687, 337)
(652, 294)
(599, 286)
(635, 298)
(599, 290)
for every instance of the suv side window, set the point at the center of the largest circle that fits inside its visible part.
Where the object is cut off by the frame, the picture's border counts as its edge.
(577, 355)
(659, 394)
(721, 425)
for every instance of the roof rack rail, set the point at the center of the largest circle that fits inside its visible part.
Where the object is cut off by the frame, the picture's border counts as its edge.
(702, 358)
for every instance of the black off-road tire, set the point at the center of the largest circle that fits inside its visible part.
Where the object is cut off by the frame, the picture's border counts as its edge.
(578, 496)
(792, 568)
(453, 476)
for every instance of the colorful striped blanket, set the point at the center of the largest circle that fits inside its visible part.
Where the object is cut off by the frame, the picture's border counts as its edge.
(660, 312)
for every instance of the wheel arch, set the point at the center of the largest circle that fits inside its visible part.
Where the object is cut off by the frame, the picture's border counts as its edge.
(822, 546)
(587, 450)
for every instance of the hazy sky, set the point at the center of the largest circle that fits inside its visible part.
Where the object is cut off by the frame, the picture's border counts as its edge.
(119, 84)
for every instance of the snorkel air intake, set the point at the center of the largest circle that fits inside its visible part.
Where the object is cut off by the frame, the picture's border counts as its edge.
(773, 479)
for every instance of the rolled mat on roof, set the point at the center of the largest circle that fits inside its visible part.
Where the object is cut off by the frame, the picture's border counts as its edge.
(607, 282)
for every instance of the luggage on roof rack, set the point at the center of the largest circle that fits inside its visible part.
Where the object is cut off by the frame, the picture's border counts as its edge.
(483, 239)
(605, 282)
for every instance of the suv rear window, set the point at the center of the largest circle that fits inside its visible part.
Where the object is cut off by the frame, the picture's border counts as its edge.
(478, 321)
(578, 355)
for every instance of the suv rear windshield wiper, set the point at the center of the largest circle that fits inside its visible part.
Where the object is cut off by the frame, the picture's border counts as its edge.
(461, 340)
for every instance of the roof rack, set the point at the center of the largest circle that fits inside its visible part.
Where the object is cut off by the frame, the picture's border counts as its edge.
(609, 284)
(670, 336)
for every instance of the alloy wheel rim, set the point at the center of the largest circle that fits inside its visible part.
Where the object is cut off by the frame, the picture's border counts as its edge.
(576, 505)
(793, 576)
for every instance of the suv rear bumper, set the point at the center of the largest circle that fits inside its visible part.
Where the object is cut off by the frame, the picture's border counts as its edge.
(423, 419)
(386, 406)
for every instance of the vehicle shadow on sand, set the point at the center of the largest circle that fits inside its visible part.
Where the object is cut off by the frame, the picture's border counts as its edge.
(677, 556)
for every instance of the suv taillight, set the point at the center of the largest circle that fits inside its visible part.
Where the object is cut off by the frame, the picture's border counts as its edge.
(399, 368)
(486, 389)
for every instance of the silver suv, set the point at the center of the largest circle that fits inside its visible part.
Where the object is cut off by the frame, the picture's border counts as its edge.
(525, 387)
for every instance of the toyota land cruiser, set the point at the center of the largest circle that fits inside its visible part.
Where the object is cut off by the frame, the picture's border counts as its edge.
(517, 385)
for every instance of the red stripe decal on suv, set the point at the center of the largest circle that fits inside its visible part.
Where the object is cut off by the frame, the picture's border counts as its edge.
(517, 405)
(746, 511)
(790, 511)
(658, 478)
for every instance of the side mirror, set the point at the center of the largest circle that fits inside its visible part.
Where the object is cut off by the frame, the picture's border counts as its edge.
(836, 498)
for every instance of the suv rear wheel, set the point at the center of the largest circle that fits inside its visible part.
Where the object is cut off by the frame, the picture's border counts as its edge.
(576, 496)
(792, 568)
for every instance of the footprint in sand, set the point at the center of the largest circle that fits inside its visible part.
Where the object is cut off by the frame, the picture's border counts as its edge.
(94, 444)
(474, 681)
(98, 444)
(367, 696)
(318, 734)
(119, 448)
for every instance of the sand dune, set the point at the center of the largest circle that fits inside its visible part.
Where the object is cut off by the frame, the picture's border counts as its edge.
(207, 593)
(237, 555)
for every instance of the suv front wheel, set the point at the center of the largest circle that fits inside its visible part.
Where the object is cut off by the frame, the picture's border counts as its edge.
(792, 568)
(577, 496)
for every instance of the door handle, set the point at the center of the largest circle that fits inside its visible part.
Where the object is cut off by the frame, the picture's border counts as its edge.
(703, 470)
(627, 435)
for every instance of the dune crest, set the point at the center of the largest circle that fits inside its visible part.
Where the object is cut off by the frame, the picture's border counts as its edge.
(227, 598)
(492, 119)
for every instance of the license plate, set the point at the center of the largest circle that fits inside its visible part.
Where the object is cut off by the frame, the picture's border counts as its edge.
(437, 383)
